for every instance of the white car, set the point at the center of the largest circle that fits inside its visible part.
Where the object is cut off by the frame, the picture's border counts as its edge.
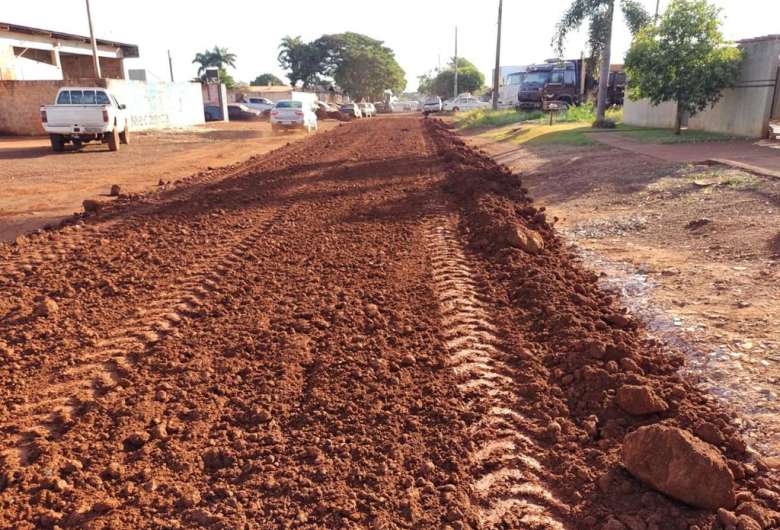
(85, 114)
(261, 104)
(464, 102)
(367, 110)
(291, 114)
(432, 104)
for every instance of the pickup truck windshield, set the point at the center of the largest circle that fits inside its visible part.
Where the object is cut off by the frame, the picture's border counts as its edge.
(83, 97)
(535, 79)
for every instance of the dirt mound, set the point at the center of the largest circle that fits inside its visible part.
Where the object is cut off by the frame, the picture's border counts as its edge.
(581, 344)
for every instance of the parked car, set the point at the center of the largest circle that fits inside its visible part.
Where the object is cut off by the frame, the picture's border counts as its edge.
(351, 110)
(367, 110)
(85, 114)
(212, 112)
(262, 104)
(381, 107)
(239, 111)
(325, 111)
(432, 104)
(289, 114)
(463, 102)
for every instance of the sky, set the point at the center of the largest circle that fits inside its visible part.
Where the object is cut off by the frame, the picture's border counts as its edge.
(420, 32)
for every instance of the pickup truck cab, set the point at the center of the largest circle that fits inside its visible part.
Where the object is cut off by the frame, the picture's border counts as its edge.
(85, 114)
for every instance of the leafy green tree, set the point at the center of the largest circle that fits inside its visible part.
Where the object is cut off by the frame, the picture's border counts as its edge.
(599, 14)
(267, 79)
(684, 59)
(470, 79)
(362, 66)
(425, 84)
(303, 61)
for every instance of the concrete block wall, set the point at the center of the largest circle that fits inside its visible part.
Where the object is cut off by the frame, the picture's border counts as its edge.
(20, 103)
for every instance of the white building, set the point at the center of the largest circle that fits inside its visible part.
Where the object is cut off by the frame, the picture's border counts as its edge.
(32, 54)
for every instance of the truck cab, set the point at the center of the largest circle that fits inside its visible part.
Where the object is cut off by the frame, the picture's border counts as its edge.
(553, 80)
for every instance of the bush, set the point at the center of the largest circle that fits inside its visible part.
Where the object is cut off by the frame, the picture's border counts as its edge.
(606, 123)
(495, 118)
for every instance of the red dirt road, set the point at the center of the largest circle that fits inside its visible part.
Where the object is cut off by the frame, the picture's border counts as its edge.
(334, 335)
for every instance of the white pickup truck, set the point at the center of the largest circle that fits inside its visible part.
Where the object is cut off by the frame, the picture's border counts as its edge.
(82, 115)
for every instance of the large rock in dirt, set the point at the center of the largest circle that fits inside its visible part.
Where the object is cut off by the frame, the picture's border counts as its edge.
(640, 400)
(94, 205)
(517, 236)
(676, 463)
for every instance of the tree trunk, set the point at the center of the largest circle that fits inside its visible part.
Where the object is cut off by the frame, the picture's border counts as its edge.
(601, 106)
(678, 119)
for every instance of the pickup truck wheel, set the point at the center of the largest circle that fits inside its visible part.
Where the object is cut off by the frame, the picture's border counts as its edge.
(113, 140)
(57, 143)
(124, 136)
(455, 109)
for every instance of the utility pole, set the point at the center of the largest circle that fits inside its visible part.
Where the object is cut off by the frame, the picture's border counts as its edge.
(455, 87)
(496, 71)
(94, 44)
(657, 5)
(170, 64)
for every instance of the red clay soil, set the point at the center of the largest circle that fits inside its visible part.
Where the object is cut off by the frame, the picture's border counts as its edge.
(339, 334)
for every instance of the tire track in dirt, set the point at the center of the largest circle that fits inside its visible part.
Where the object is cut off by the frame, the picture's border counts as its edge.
(21, 262)
(104, 368)
(508, 475)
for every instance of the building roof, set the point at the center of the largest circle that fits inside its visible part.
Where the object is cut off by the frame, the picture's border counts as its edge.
(128, 50)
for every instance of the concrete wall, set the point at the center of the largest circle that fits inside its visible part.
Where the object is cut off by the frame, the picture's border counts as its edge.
(154, 105)
(159, 105)
(20, 103)
(743, 110)
(7, 59)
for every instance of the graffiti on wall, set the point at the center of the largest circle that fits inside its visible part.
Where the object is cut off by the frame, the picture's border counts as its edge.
(158, 105)
(138, 121)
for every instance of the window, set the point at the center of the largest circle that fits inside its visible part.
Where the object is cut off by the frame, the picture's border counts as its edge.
(86, 97)
(557, 77)
(289, 105)
(64, 98)
(569, 78)
(102, 98)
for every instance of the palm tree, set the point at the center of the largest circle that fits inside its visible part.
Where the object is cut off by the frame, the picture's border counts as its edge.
(204, 60)
(219, 57)
(222, 57)
(599, 14)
